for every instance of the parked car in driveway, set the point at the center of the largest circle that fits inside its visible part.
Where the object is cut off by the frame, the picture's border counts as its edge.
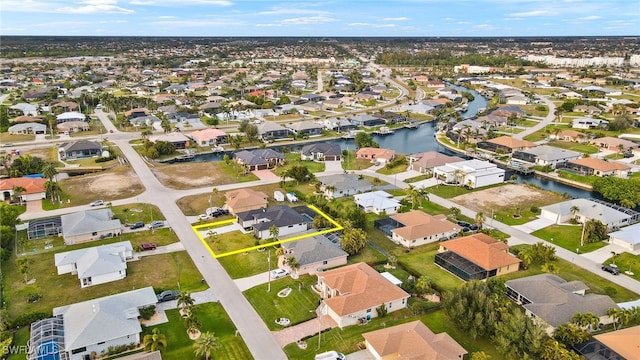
(278, 273)
(168, 295)
(147, 246)
(611, 269)
(156, 224)
(97, 203)
(136, 225)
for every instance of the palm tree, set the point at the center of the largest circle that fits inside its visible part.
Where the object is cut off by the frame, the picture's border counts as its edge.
(213, 236)
(53, 190)
(192, 323)
(154, 341)
(293, 264)
(185, 302)
(49, 171)
(586, 320)
(574, 210)
(17, 193)
(205, 345)
(274, 231)
(480, 218)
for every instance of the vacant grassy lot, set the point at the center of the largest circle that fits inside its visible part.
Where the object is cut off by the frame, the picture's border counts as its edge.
(119, 182)
(128, 214)
(298, 307)
(583, 148)
(5, 137)
(163, 271)
(397, 166)
(252, 263)
(200, 174)
(568, 237)
(351, 163)
(234, 240)
(214, 319)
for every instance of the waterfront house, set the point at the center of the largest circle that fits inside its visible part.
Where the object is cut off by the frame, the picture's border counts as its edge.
(470, 173)
(598, 167)
(321, 151)
(376, 155)
(545, 155)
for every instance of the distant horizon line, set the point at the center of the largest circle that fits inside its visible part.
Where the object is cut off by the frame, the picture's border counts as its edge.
(332, 37)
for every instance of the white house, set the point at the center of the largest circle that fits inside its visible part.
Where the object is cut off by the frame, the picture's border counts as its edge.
(471, 173)
(628, 238)
(287, 220)
(89, 225)
(76, 331)
(96, 265)
(352, 294)
(377, 202)
(587, 209)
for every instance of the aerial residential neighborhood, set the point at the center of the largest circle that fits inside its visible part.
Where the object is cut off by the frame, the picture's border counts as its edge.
(319, 198)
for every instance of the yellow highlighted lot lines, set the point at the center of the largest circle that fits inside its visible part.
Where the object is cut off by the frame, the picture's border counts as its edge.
(198, 228)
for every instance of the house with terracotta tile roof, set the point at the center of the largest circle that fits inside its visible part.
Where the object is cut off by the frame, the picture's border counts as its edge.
(352, 294)
(137, 112)
(376, 154)
(598, 167)
(476, 257)
(209, 137)
(413, 340)
(570, 135)
(415, 228)
(614, 144)
(426, 161)
(244, 200)
(619, 344)
(34, 188)
(505, 144)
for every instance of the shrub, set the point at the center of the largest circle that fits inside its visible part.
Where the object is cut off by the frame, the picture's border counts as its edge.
(147, 312)
(34, 297)
(28, 318)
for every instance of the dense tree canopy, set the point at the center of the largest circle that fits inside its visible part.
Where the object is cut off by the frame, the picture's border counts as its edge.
(616, 189)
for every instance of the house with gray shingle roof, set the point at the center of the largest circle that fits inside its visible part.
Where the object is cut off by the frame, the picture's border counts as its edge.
(80, 150)
(314, 254)
(287, 220)
(269, 131)
(319, 151)
(341, 185)
(89, 225)
(545, 155)
(92, 326)
(307, 128)
(587, 209)
(96, 265)
(552, 301)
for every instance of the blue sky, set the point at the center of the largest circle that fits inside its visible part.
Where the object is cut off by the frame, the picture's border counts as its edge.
(320, 18)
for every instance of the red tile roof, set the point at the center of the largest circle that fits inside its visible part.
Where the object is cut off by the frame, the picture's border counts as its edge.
(482, 250)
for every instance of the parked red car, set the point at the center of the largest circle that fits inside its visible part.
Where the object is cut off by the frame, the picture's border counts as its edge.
(148, 246)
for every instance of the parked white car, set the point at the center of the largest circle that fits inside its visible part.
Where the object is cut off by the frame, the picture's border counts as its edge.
(97, 203)
(279, 273)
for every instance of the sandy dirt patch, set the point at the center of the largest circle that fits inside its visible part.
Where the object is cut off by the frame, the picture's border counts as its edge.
(506, 196)
(188, 175)
(117, 183)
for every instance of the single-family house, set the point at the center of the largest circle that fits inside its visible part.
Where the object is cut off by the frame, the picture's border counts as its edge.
(588, 123)
(613, 345)
(137, 112)
(545, 155)
(245, 199)
(571, 136)
(393, 117)
(377, 202)
(412, 340)
(341, 185)
(338, 124)
(628, 238)
(505, 144)
(470, 173)
(80, 150)
(476, 257)
(551, 301)
(426, 161)
(89, 225)
(272, 131)
(179, 140)
(70, 116)
(492, 120)
(509, 110)
(209, 137)
(587, 209)
(351, 294)
(34, 188)
(146, 120)
(415, 228)
(306, 128)
(587, 109)
(96, 265)
(377, 155)
(30, 128)
(259, 159)
(287, 220)
(78, 330)
(366, 120)
(615, 144)
(26, 109)
(321, 152)
(598, 167)
(73, 126)
(313, 254)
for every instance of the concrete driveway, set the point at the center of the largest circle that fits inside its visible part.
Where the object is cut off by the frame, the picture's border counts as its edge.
(297, 332)
(265, 174)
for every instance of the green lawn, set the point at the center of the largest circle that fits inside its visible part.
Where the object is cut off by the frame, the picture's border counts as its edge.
(299, 306)
(583, 148)
(351, 163)
(234, 240)
(421, 260)
(162, 271)
(450, 191)
(396, 166)
(293, 159)
(253, 263)
(131, 213)
(418, 178)
(537, 136)
(5, 137)
(20, 338)
(214, 319)
(626, 262)
(568, 237)
(576, 177)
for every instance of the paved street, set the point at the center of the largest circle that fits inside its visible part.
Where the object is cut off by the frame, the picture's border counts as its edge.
(541, 125)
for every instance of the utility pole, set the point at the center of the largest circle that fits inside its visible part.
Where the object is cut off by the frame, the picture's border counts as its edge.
(584, 223)
(269, 262)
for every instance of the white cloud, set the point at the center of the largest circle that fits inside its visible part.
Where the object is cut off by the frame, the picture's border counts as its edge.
(307, 20)
(396, 19)
(359, 24)
(198, 23)
(448, 19)
(292, 11)
(164, 17)
(532, 13)
(181, 2)
(95, 9)
(587, 18)
(463, 22)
